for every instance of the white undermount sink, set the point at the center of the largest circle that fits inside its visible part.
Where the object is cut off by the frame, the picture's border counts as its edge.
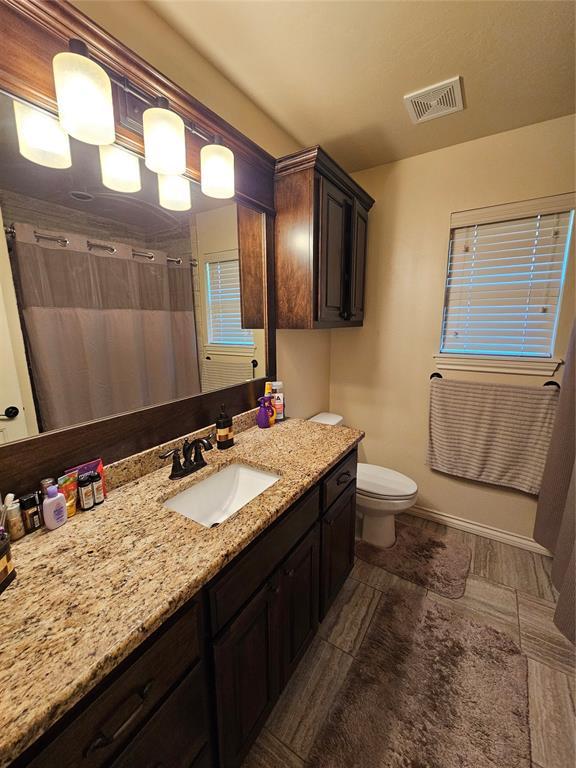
(213, 500)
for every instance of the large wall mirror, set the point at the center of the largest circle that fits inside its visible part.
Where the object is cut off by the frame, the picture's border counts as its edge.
(127, 313)
(111, 302)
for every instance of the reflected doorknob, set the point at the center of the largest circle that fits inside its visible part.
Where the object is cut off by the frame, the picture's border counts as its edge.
(11, 412)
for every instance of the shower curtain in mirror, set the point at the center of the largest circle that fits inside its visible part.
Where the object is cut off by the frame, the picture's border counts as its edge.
(555, 526)
(106, 331)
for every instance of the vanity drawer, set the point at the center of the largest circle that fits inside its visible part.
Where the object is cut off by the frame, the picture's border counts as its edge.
(245, 575)
(176, 733)
(339, 479)
(107, 724)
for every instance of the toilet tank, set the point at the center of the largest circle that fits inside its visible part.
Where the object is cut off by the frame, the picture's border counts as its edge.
(328, 418)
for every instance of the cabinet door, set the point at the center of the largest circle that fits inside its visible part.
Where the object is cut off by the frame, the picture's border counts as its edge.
(247, 665)
(300, 592)
(358, 262)
(335, 252)
(337, 559)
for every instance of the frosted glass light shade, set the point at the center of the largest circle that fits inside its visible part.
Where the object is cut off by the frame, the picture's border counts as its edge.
(164, 141)
(120, 169)
(41, 138)
(84, 96)
(174, 193)
(217, 171)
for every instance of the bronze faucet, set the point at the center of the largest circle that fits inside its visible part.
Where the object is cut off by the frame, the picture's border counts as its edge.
(189, 465)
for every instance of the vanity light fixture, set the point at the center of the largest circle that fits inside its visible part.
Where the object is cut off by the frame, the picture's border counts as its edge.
(174, 192)
(41, 138)
(217, 171)
(120, 169)
(84, 96)
(164, 140)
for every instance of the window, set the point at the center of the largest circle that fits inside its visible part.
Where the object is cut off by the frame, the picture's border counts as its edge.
(504, 282)
(223, 320)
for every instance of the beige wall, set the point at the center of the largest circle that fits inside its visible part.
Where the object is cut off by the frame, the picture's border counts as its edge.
(380, 373)
(303, 356)
(304, 366)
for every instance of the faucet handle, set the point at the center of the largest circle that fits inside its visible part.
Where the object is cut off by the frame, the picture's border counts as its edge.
(177, 469)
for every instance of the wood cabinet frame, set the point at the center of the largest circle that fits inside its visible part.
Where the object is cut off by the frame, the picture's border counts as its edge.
(32, 32)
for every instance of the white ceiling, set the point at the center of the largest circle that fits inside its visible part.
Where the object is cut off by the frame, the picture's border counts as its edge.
(334, 73)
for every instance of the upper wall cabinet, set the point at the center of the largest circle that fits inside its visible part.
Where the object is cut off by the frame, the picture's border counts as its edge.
(321, 228)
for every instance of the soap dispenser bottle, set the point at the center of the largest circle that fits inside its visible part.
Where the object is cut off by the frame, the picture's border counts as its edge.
(224, 430)
(265, 412)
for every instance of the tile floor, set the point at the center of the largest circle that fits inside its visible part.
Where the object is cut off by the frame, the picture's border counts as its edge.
(507, 588)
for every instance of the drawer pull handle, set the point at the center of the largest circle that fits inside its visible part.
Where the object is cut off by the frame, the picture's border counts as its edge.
(104, 740)
(344, 477)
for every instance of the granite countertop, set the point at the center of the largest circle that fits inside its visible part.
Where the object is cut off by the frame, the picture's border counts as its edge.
(88, 593)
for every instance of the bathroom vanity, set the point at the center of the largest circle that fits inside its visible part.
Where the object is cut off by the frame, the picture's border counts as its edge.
(151, 624)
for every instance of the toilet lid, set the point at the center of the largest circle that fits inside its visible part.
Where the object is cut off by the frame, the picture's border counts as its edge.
(384, 483)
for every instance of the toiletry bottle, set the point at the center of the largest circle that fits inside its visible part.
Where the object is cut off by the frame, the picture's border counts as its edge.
(278, 400)
(264, 415)
(85, 492)
(224, 430)
(14, 522)
(54, 508)
(97, 487)
(31, 515)
(268, 391)
(45, 484)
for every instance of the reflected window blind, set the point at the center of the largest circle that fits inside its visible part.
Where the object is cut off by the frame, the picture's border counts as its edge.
(223, 305)
(504, 286)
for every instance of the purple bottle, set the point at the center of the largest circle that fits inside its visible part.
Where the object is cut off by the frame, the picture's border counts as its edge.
(265, 411)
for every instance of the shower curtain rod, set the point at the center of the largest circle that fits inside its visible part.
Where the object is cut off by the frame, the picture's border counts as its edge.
(10, 233)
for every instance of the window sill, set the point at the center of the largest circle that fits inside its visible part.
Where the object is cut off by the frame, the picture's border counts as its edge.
(524, 366)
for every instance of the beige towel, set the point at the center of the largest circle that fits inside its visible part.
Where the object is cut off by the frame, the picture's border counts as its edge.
(492, 433)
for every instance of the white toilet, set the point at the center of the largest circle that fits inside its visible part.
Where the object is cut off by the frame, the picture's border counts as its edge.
(381, 493)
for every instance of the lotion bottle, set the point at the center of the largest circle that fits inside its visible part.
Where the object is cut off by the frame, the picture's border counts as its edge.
(54, 508)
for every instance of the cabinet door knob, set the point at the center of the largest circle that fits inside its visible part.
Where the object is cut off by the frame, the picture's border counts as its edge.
(344, 477)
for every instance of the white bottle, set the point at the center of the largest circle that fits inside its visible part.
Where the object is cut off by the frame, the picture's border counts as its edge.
(278, 400)
(54, 508)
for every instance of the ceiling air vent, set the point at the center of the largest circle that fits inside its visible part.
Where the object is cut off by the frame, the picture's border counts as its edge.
(436, 101)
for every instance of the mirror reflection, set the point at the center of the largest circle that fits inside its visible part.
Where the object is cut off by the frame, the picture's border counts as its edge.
(112, 303)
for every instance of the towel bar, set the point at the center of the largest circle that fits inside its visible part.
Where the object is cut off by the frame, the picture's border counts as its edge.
(550, 383)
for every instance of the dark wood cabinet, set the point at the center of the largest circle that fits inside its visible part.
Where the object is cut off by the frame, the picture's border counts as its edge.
(120, 708)
(299, 590)
(338, 530)
(247, 669)
(246, 573)
(321, 227)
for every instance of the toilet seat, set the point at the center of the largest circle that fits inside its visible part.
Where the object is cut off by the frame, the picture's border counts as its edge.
(375, 482)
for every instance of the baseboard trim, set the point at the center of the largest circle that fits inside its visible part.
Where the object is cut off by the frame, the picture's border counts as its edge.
(487, 531)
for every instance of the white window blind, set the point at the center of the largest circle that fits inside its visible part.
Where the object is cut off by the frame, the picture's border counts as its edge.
(224, 325)
(504, 286)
